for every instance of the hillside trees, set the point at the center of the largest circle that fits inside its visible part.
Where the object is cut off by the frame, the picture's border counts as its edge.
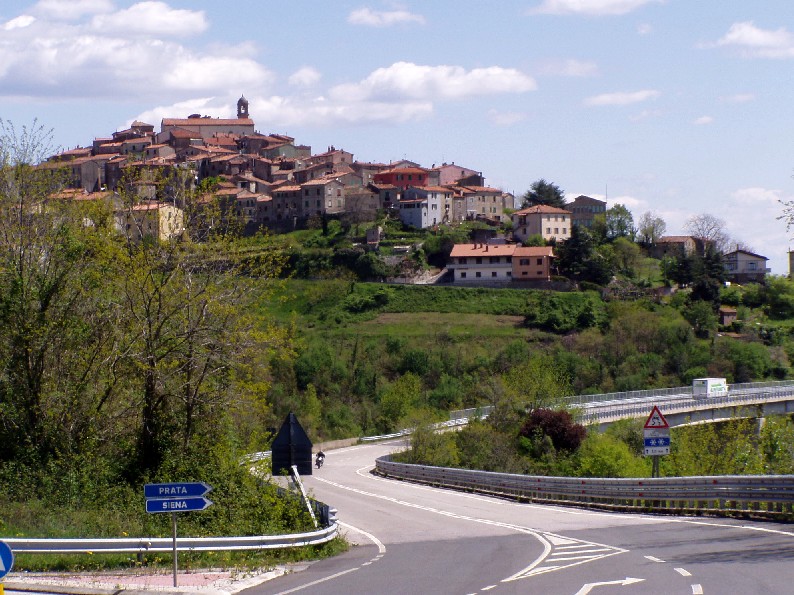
(55, 333)
(542, 192)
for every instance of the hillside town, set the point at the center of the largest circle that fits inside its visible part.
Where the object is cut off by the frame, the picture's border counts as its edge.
(269, 182)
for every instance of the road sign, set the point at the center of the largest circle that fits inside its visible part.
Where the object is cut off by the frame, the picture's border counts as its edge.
(176, 504)
(176, 490)
(656, 420)
(6, 559)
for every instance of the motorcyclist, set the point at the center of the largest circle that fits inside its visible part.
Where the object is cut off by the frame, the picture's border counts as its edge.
(320, 459)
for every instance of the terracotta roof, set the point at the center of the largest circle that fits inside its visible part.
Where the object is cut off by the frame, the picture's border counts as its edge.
(404, 170)
(482, 189)
(288, 189)
(465, 250)
(534, 251)
(544, 209)
(207, 122)
(673, 239)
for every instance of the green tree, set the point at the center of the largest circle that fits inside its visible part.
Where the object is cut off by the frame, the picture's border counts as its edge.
(619, 223)
(542, 192)
(650, 228)
(55, 333)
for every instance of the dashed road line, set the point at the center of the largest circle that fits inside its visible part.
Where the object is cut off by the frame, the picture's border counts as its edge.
(683, 572)
(653, 559)
(697, 590)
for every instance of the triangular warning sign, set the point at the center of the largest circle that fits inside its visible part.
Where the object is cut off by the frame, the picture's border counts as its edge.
(656, 419)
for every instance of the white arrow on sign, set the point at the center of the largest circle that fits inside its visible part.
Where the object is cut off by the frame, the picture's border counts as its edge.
(622, 582)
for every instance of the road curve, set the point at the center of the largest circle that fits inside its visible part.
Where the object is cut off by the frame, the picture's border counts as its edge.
(411, 538)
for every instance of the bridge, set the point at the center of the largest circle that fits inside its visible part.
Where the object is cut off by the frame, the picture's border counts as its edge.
(678, 405)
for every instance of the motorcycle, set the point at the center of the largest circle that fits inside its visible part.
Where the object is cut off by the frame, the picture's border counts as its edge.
(318, 462)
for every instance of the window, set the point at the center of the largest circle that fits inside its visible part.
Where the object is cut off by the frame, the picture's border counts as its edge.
(478, 274)
(494, 260)
(556, 231)
(751, 266)
(493, 273)
(540, 261)
(523, 262)
(564, 230)
(462, 260)
(478, 260)
(548, 230)
(463, 274)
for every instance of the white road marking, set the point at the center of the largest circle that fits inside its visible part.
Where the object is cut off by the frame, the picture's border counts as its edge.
(622, 582)
(697, 590)
(653, 559)
(683, 572)
(375, 540)
(318, 581)
(489, 588)
(634, 517)
(548, 540)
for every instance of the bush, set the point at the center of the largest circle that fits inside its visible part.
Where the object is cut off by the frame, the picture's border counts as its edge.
(559, 426)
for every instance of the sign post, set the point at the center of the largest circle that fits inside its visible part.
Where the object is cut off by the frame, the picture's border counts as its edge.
(173, 498)
(656, 435)
(6, 562)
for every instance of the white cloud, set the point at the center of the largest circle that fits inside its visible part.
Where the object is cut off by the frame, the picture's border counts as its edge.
(757, 208)
(374, 18)
(630, 202)
(65, 59)
(739, 98)
(570, 67)
(589, 7)
(320, 112)
(201, 73)
(703, 120)
(20, 22)
(622, 98)
(405, 80)
(151, 18)
(305, 77)
(505, 118)
(759, 43)
(65, 10)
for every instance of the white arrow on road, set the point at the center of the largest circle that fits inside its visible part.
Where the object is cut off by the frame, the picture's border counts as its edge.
(622, 582)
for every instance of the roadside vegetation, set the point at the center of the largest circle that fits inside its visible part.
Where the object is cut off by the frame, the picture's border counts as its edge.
(127, 362)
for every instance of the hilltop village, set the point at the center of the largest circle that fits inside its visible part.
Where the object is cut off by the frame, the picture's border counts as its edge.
(269, 181)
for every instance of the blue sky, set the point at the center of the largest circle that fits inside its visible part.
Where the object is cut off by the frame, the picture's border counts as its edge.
(678, 107)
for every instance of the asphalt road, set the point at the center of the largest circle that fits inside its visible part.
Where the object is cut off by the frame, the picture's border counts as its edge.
(417, 539)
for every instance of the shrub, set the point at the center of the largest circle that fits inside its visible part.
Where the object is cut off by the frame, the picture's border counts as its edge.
(565, 434)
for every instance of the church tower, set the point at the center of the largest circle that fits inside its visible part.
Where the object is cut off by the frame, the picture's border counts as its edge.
(242, 107)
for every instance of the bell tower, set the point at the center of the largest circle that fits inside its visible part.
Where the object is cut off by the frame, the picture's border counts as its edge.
(242, 107)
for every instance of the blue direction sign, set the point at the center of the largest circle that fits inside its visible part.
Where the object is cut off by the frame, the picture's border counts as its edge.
(175, 490)
(6, 559)
(176, 504)
(657, 441)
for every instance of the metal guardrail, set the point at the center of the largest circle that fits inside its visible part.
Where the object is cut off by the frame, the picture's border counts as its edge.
(143, 545)
(768, 496)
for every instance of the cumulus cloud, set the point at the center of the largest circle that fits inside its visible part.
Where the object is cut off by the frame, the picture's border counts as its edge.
(589, 7)
(20, 22)
(405, 80)
(151, 18)
(570, 67)
(375, 18)
(622, 98)
(305, 77)
(755, 42)
(62, 58)
(703, 120)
